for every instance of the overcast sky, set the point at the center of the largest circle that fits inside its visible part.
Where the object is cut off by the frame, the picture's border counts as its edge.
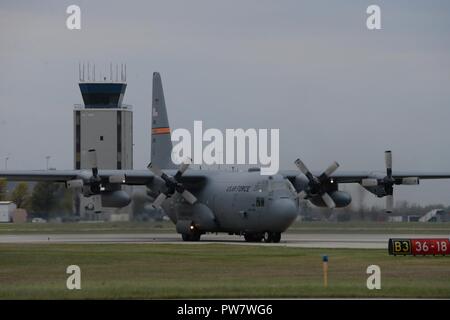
(336, 90)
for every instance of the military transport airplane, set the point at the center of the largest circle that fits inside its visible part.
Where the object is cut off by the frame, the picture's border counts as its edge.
(200, 201)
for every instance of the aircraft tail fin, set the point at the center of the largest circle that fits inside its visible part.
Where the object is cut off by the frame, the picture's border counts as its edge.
(161, 147)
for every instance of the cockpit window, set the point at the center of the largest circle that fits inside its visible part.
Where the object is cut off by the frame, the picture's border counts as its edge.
(261, 186)
(282, 185)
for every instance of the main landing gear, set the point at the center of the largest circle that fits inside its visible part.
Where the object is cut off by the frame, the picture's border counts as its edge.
(195, 236)
(274, 237)
(267, 236)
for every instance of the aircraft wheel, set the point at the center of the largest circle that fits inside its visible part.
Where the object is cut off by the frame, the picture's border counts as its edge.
(196, 236)
(191, 237)
(276, 237)
(252, 237)
(186, 237)
(267, 236)
(248, 237)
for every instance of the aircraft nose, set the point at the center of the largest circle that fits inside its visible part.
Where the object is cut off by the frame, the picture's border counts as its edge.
(286, 211)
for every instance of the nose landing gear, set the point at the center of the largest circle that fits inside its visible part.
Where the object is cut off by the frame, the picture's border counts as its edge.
(195, 236)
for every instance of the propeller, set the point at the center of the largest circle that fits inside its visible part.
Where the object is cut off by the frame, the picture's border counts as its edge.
(387, 183)
(173, 184)
(93, 180)
(316, 185)
(90, 184)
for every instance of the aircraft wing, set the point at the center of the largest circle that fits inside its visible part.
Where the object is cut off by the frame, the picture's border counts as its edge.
(132, 177)
(349, 177)
(142, 177)
(40, 175)
(358, 176)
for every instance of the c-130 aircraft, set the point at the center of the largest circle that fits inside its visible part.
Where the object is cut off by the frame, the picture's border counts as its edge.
(201, 201)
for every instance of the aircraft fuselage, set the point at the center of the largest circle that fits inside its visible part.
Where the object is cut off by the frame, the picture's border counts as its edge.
(237, 203)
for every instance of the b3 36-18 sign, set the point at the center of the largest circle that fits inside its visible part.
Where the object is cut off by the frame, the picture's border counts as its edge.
(415, 247)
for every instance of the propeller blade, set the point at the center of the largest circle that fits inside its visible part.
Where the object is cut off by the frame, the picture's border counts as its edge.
(189, 197)
(117, 179)
(159, 200)
(332, 168)
(301, 166)
(303, 194)
(152, 194)
(328, 201)
(388, 160)
(92, 158)
(153, 168)
(369, 182)
(185, 165)
(389, 203)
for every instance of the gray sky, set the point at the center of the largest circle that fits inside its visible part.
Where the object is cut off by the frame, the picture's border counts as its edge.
(336, 90)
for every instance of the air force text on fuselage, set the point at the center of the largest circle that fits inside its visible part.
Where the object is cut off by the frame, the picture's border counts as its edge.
(235, 147)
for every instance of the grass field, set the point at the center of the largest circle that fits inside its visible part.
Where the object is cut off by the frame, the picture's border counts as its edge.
(168, 227)
(87, 227)
(119, 271)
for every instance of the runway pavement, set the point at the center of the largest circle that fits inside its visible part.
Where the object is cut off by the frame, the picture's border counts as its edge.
(312, 240)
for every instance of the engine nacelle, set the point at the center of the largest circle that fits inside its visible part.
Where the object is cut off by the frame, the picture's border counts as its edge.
(115, 199)
(340, 198)
(198, 215)
(184, 226)
(203, 217)
(377, 190)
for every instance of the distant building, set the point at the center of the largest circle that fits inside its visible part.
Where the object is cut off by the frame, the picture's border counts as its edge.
(6, 210)
(405, 218)
(105, 124)
(436, 215)
(396, 219)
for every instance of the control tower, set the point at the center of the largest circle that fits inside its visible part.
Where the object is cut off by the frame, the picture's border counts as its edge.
(105, 124)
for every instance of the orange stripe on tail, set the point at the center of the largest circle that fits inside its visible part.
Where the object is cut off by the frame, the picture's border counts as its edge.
(165, 130)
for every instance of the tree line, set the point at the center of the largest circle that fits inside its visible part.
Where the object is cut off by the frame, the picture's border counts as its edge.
(45, 200)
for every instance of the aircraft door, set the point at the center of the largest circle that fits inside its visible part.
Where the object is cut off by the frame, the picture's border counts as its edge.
(244, 210)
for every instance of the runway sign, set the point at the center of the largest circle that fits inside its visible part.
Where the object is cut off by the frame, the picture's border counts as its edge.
(436, 246)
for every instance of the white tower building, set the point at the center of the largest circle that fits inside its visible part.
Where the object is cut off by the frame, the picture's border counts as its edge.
(105, 124)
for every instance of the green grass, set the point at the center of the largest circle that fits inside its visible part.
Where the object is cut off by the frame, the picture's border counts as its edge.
(168, 227)
(123, 271)
(87, 227)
